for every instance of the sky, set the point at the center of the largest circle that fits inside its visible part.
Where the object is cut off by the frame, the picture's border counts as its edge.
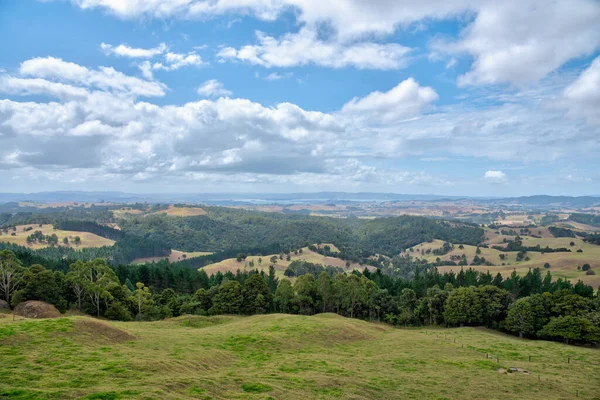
(451, 97)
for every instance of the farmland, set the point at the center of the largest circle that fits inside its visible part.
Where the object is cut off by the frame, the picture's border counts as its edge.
(232, 264)
(562, 265)
(175, 256)
(281, 356)
(22, 231)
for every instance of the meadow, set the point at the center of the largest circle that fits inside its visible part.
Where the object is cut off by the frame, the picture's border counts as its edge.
(562, 265)
(232, 264)
(281, 356)
(21, 233)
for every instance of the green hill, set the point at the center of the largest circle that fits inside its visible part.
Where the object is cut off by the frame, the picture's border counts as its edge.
(281, 356)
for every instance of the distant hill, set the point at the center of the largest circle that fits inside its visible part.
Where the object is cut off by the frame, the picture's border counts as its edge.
(282, 198)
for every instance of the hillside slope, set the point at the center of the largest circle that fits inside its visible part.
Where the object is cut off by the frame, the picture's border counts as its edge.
(281, 356)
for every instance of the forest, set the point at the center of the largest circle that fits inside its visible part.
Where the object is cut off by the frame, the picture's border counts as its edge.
(533, 305)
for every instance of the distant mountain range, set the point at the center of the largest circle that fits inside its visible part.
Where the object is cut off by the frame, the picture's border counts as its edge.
(286, 198)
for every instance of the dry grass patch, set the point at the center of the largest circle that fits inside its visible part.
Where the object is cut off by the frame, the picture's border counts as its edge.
(21, 233)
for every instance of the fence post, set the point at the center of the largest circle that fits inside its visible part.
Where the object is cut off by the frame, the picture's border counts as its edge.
(569, 360)
(529, 358)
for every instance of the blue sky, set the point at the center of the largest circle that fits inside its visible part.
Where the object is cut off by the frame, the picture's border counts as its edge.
(452, 97)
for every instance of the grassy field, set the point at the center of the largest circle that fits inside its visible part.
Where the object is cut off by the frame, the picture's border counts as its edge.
(281, 357)
(232, 264)
(562, 265)
(87, 239)
(175, 256)
(182, 211)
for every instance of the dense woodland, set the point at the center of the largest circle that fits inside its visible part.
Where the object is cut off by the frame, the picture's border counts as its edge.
(533, 306)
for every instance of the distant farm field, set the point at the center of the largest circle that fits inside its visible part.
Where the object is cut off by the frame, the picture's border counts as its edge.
(175, 256)
(20, 237)
(182, 211)
(281, 356)
(562, 265)
(232, 264)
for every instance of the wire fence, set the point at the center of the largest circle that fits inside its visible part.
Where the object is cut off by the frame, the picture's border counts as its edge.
(531, 359)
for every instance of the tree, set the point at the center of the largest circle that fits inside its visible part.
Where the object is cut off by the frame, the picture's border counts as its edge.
(462, 307)
(76, 277)
(66, 240)
(571, 329)
(520, 318)
(325, 290)
(273, 259)
(77, 240)
(11, 273)
(142, 296)
(254, 286)
(284, 295)
(228, 299)
(354, 292)
(547, 265)
(43, 285)
(306, 293)
(99, 279)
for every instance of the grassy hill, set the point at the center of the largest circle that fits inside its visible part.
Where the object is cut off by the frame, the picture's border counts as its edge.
(280, 356)
(562, 265)
(232, 264)
(20, 238)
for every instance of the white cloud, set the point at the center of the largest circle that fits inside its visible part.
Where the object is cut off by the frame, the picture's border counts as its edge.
(174, 61)
(126, 51)
(406, 99)
(520, 42)
(495, 176)
(104, 78)
(304, 47)
(213, 87)
(111, 136)
(582, 97)
(512, 41)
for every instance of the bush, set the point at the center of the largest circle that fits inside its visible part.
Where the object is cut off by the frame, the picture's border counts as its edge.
(585, 267)
(590, 272)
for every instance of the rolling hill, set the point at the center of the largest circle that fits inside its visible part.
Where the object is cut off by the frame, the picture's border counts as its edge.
(281, 356)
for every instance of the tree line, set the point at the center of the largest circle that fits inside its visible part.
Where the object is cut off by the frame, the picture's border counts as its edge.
(532, 305)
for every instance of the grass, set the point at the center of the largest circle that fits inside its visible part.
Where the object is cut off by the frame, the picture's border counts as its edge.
(563, 265)
(182, 211)
(175, 256)
(232, 265)
(87, 239)
(281, 356)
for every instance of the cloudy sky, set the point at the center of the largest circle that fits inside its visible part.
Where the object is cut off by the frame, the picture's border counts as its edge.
(462, 97)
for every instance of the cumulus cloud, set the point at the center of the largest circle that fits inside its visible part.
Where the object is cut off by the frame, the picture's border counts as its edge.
(405, 100)
(512, 41)
(304, 47)
(171, 61)
(495, 176)
(522, 41)
(126, 51)
(582, 97)
(55, 70)
(101, 128)
(213, 87)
